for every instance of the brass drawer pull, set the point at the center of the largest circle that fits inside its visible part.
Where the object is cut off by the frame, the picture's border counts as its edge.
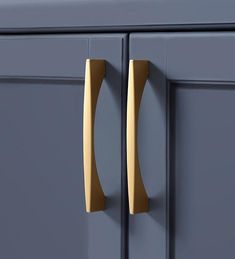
(94, 75)
(138, 74)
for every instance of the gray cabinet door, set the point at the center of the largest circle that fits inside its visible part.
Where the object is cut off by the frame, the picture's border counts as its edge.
(42, 203)
(186, 147)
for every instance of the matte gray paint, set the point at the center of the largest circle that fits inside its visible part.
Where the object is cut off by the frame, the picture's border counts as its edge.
(43, 56)
(204, 145)
(147, 231)
(203, 171)
(108, 147)
(76, 13)
(41, 181)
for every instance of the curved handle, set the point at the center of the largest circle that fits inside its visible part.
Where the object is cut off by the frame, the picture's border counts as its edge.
(138, 74)
(94, 195)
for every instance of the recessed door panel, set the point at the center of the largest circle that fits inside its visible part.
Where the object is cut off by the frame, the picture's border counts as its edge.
(202, 171)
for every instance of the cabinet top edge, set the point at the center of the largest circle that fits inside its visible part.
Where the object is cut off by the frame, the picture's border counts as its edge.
(130, 14)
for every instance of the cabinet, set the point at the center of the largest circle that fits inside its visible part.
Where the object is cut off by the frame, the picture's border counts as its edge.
(184, 135)
(41, 180)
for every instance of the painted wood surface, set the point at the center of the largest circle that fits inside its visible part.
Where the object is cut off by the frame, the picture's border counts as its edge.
(41, 163)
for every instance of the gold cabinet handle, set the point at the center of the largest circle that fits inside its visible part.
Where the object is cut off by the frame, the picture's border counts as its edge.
(138, 74)
(94, 75)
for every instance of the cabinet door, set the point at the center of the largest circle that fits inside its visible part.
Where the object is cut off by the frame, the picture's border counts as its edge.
(41, 147)
(186, 147)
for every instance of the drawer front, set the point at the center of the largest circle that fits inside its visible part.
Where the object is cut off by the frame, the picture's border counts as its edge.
(186, 146)
(42, 196)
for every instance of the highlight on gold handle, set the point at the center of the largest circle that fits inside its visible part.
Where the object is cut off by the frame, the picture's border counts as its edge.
(138, 74)
(94, 75)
